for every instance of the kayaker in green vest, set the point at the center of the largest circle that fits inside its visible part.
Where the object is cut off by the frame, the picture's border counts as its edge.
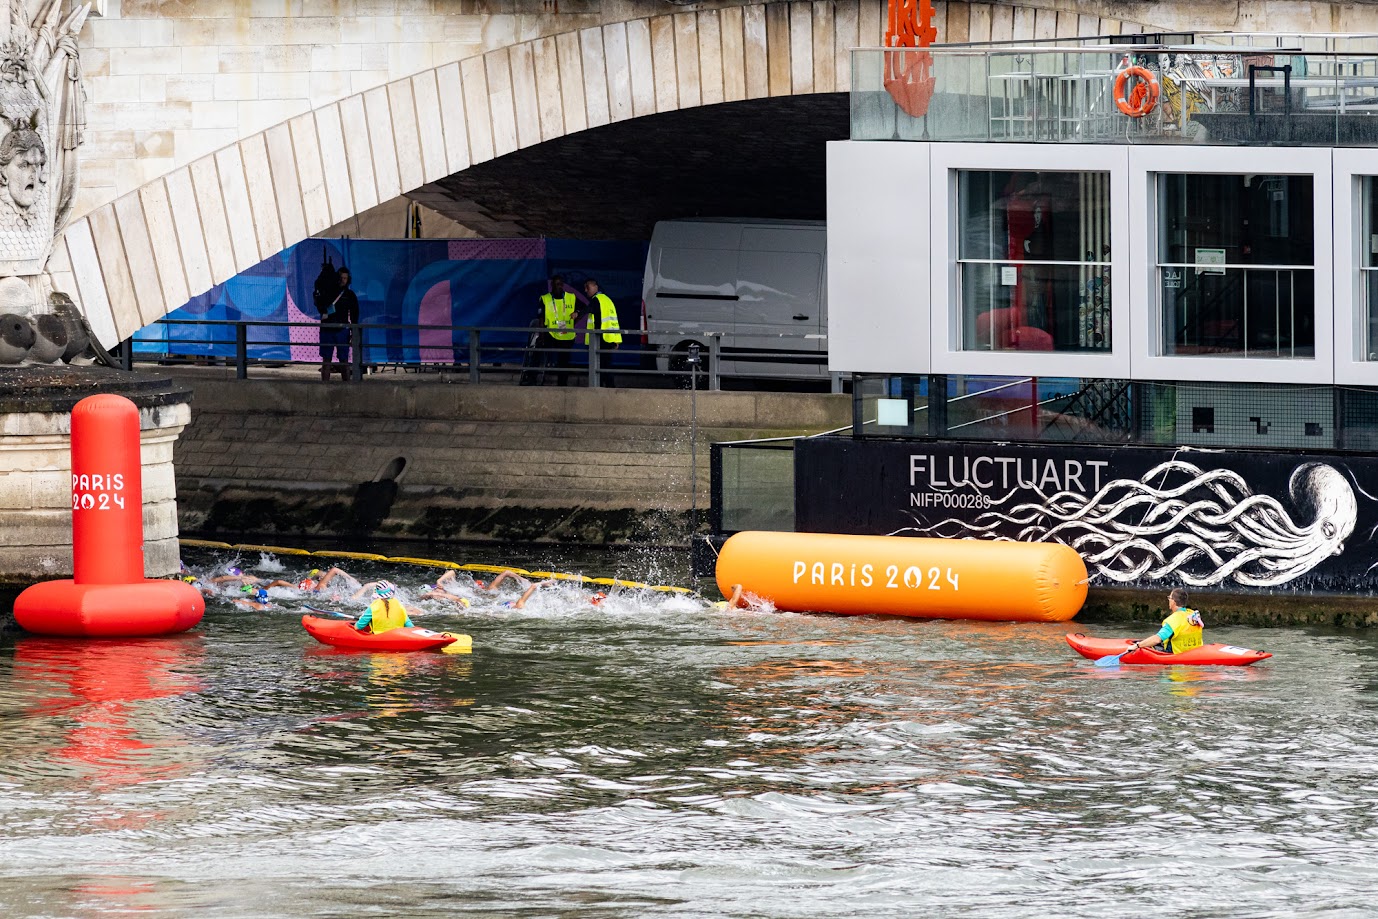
(385, 613)
(1181, 630)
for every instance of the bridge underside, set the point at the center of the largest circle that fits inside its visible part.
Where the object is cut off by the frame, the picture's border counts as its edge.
(759, 158)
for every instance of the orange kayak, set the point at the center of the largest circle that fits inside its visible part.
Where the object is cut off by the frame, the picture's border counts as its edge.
(341, 633)
(1204, 656)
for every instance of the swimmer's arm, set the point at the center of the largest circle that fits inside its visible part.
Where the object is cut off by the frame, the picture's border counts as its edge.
(334, 573)
(506, 575)
(363, 589)
(735, 601)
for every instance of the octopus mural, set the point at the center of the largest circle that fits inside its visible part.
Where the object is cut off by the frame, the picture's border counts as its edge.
(1197, 527)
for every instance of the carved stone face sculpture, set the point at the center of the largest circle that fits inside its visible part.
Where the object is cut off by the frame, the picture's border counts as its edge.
(21, 166)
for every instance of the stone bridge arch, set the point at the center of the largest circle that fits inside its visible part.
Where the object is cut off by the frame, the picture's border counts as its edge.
(131, 261)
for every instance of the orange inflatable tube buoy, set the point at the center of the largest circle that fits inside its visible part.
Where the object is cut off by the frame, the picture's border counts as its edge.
(906, 576)
(107, 595)
(1142, 98)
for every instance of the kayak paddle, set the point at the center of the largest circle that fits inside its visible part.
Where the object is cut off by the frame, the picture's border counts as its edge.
(330, 612)
(463, 644)
(1114, 659)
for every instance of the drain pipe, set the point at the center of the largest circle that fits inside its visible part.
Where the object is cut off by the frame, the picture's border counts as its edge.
(693, 361)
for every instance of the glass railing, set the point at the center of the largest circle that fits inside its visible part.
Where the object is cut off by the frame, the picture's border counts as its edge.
(1222, 94)
(753, 485)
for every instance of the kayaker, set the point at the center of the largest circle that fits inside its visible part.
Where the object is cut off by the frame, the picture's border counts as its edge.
(1181, 630)
(385, 613)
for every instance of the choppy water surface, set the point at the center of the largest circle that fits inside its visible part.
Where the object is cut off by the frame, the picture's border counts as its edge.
(654, 756)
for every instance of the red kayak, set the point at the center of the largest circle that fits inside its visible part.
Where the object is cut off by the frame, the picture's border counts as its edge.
(1204, 656)
(341, 634)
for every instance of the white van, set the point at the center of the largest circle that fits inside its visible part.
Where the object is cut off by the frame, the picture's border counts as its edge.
(761, 284)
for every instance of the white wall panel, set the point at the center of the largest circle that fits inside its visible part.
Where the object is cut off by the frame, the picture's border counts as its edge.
(878, 257)
(1352, 365)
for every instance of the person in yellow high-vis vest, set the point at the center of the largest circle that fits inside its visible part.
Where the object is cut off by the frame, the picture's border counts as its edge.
(1181, 630)
(561, 311)
(604, 316)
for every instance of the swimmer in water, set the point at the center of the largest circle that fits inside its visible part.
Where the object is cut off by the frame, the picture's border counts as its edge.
(314, 582)
(440, 590)
(234, 576)
(255, 598)
(508, 575)
(520, 602)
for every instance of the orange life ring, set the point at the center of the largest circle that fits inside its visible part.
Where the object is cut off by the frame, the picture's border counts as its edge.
(1142, 98)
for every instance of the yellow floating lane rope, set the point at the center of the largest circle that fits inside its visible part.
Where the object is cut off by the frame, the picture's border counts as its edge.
(493, 569)
(559, 576)
(436, 563)
(275, 550)
(364, 556)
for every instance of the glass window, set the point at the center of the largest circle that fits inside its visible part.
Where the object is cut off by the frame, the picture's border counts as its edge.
(1235, 262)
(1034, 261)
(1368, 265)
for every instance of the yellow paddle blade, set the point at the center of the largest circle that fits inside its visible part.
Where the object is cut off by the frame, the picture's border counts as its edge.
(462, 644)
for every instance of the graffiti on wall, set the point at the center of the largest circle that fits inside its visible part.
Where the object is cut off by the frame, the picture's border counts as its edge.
(1138, 516)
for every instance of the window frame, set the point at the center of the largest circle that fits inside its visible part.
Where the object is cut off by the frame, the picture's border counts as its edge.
(950, 159)
(1150, 362)
(1352, 366)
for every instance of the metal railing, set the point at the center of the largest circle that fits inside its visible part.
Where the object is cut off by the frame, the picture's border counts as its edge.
(1266, 93)
(479, 353)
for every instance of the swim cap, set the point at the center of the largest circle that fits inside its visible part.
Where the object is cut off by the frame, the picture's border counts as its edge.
(428, 587)
(234, 571)
(463, 602)
(263, 594)
(246, 588)
(313, 572)
(598, 598)
(384, 590)
(190, 579)
(479, 584)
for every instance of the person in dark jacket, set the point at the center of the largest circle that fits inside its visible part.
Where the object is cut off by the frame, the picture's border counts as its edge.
(336, 318)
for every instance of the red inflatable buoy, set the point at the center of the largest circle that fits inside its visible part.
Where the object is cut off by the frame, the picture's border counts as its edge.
(108, 596)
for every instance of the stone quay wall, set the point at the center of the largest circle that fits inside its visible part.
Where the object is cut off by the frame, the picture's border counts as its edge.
(419, 459)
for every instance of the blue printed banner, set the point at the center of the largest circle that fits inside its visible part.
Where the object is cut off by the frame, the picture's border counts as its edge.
(408, 283)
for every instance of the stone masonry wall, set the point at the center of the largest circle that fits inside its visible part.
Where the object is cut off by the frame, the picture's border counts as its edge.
(170, 81)
(481, 462)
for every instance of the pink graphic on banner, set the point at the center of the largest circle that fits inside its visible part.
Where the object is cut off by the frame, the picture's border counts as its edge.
(496, 249)
(306, 340)
(435, 310)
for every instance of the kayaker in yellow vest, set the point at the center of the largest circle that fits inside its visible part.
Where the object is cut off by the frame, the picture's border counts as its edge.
(560, 309)
(385, 613)
(1181, 630)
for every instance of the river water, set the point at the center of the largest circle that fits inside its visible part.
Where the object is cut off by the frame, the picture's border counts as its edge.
(655, 756)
